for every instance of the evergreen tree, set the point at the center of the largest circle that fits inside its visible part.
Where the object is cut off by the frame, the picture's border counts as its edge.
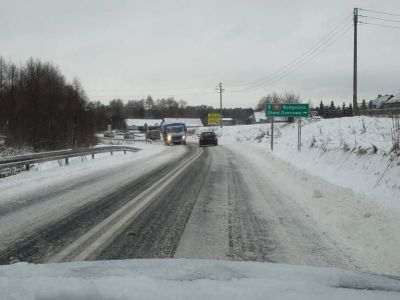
(370, 105)
(332, 110)
(363, 104)
(350, 110)
(321, 109)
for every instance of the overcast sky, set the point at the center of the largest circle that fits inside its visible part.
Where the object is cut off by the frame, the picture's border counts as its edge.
(130, 49)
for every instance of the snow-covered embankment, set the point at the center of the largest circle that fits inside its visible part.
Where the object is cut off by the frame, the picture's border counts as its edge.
(354, 152)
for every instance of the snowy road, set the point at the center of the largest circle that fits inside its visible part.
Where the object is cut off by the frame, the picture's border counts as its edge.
(232, 202)
(43, 211)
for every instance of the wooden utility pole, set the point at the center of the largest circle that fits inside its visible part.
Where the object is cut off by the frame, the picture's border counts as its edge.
(355, 105)
(220, 91)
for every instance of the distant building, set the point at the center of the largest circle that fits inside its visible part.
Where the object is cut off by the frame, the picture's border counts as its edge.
(393, 102)
(378, 102)
(143, 124)
(189, 122)
(227, 122)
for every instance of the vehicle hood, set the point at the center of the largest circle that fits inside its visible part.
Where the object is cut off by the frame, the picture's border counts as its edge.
(189, 279)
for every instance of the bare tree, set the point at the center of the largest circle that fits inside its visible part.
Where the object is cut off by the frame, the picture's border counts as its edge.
(287, 97)
(39, 109)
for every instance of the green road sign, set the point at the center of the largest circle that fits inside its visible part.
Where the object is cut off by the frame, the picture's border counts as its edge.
(213, 119)
(287, 110)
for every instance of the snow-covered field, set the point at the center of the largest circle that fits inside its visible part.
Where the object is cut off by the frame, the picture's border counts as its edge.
(188, 279)
(353, 152)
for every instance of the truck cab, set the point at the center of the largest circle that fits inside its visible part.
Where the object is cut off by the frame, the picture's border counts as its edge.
(174, 133)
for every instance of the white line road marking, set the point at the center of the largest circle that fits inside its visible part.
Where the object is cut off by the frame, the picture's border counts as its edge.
(102, 234)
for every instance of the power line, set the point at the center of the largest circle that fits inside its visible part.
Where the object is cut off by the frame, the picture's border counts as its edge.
(380, 25)
(382, 19)
(380, 12)
(282, 76)
(305, 60)
(306, 53)
(332, 35)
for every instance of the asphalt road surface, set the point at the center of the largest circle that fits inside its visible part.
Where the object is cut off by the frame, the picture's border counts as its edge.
(203, 203)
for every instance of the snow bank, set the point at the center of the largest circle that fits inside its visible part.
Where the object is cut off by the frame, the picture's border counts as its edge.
(188, 279)
(10, 151)
(352, 152)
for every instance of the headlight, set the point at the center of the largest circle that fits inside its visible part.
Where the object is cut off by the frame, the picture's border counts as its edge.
(169, 137)
(183, 136)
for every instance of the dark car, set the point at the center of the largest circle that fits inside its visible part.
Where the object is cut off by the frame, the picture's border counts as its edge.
(109, 134)
(208, 138)
(153, 135)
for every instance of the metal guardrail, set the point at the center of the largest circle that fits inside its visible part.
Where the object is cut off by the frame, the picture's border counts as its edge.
(28, 159)
(124, 141)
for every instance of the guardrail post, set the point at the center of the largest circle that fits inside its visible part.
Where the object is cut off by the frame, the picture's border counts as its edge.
(66, 161)
(111, 152)
(27, 167)
(125, 152)
(92, 155)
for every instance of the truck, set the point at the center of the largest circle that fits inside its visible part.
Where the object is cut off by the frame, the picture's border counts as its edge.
(174, 133)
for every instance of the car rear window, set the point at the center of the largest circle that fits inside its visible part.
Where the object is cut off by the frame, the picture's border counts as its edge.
(208, 134)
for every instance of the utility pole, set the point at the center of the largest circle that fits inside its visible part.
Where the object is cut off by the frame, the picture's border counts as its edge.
(220, 91)
(355, 105)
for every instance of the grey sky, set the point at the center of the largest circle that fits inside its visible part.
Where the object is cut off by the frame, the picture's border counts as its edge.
(129, 49)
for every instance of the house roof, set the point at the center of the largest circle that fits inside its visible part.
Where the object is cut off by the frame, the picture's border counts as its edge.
(189, 122)
(380, 100)
(394, 99)
(142, 122)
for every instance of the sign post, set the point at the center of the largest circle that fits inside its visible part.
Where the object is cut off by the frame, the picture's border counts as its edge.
(272, 134)
(290, 110)
(299, 135)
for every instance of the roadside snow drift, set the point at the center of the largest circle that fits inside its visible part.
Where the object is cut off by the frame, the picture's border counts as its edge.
(188, 279)
(353, 152)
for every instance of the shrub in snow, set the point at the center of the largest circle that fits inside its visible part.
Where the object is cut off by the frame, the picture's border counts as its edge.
(313, 142)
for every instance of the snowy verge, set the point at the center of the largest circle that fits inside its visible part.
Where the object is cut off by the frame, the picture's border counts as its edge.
(352, 152)
(360, 234)
(189, 279)
(53, 172)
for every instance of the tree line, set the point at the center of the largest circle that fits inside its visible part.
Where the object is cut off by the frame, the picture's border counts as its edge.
(40, 109)
(333, 111)
(325, 111)
(287, 97)
(117, 111)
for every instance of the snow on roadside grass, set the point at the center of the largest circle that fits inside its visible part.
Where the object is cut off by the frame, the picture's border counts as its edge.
(11, 151)
(354, 152)
(55, 172)
(189, 279)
